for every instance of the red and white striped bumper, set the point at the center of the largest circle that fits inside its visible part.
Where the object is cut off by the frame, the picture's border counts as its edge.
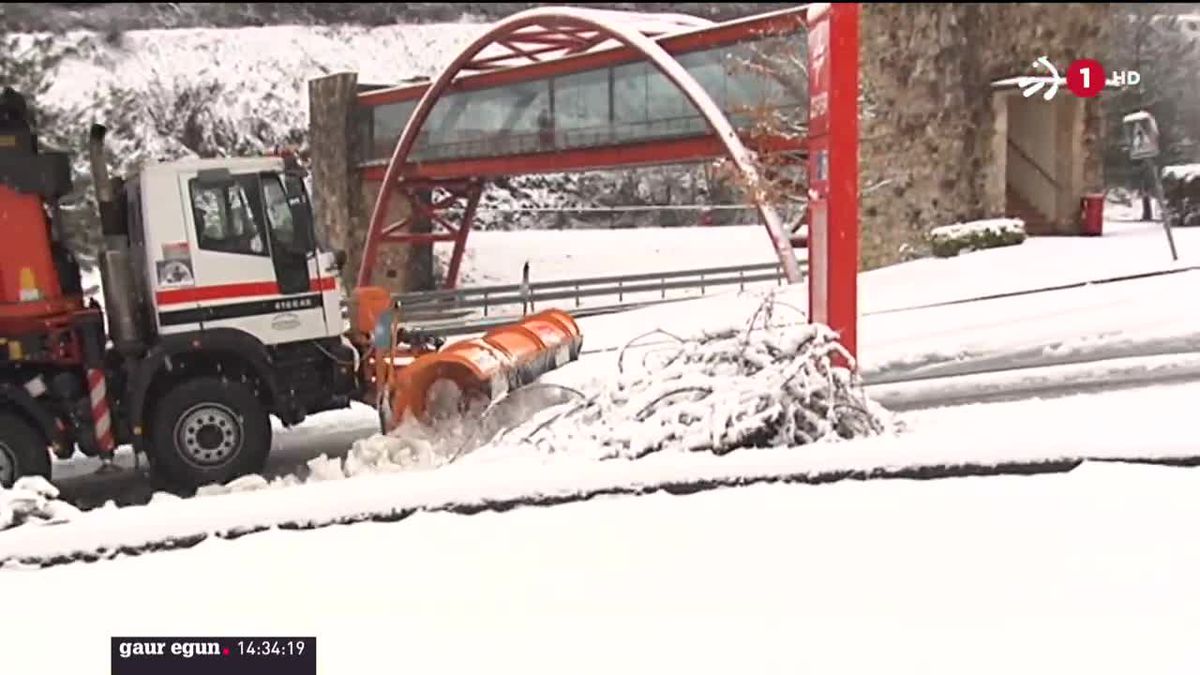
(101, 416)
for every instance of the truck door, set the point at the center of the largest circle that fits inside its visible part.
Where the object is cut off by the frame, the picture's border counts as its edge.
(294, 255)
(292, 247)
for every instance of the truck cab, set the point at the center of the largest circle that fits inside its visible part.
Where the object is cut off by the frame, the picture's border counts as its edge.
(223, 310)
(241, 254)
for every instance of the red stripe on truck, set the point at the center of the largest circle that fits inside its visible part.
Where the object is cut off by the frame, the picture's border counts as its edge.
(179, 296)
(323, 284)
(222, 292)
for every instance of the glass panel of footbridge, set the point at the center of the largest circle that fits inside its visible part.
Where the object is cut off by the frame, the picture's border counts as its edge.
(632, 102)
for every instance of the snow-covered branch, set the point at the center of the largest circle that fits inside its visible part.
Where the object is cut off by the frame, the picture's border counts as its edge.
(763, 385)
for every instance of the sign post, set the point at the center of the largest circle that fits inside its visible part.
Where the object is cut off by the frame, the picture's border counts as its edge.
(833, 169)
(1144, 148)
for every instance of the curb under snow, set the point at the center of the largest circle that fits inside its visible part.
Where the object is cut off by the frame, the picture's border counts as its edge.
(468, 489)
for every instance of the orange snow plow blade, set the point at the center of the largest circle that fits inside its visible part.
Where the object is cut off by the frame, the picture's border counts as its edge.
(475, 372)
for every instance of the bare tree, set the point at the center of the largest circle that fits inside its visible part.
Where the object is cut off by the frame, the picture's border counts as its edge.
(771, 111)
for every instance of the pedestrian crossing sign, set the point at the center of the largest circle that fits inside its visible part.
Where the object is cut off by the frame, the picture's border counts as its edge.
(1143, 135)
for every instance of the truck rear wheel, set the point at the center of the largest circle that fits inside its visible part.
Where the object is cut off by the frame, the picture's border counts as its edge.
(208, 430)
(23, 450)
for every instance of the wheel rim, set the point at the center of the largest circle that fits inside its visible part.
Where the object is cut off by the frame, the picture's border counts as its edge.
(208, 434)
(8, 465)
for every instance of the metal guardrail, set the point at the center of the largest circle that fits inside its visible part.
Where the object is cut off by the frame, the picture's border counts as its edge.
(456, 305)
(482, 325)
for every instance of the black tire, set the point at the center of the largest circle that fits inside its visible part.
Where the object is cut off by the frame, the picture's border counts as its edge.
(23, 450)
(208, 430)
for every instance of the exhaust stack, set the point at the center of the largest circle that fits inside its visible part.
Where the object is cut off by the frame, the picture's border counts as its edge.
(116, 264)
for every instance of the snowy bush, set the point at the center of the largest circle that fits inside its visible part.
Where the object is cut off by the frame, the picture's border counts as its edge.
(1181, 192)
(950, 240)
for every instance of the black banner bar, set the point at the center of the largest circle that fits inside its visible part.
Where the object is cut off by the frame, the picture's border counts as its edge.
(214, 656)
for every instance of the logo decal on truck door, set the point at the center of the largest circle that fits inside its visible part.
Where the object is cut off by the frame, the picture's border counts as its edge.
(175, 269)
(175, 274)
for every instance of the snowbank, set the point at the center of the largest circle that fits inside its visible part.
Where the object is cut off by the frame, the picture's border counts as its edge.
(950, 240)
(1181, 172)
(33, 500)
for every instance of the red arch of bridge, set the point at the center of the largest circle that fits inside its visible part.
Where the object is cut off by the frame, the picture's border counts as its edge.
(568, 20)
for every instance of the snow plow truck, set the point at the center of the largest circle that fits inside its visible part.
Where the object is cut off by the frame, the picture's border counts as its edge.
(220, 310)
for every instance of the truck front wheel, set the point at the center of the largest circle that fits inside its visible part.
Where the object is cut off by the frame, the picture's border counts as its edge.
(23, 450)
(208, 430)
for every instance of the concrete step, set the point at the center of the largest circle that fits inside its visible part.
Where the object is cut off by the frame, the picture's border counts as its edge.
(1019, 207)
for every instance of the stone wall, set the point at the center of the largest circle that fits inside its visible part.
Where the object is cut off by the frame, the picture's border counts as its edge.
(927, 153)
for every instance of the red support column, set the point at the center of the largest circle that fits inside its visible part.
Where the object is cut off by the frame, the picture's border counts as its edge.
(370, 257)
(833, 169)
(474, 192)
(441, 229)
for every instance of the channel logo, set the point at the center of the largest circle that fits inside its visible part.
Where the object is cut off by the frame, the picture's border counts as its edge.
(1085, 78)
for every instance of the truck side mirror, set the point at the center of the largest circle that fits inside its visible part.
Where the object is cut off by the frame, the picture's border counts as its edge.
(340, 258)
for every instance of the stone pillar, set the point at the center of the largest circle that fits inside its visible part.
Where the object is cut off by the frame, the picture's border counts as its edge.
(391, 267)
(996, 171)
(337, 204)
(342, 199)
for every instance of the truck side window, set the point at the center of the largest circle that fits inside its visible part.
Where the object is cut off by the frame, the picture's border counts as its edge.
(283, 226)
(226, 220)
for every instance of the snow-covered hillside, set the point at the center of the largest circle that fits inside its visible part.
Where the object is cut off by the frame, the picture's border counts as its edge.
(260, 74)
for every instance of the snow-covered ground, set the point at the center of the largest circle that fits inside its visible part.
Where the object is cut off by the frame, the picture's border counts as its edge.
(915, 315)
(497, 257)
(1083, 571)
(901, 335)
(1090, 571)
(904, 332)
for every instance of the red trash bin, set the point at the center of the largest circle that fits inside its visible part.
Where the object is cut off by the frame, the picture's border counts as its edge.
(1091, 218)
